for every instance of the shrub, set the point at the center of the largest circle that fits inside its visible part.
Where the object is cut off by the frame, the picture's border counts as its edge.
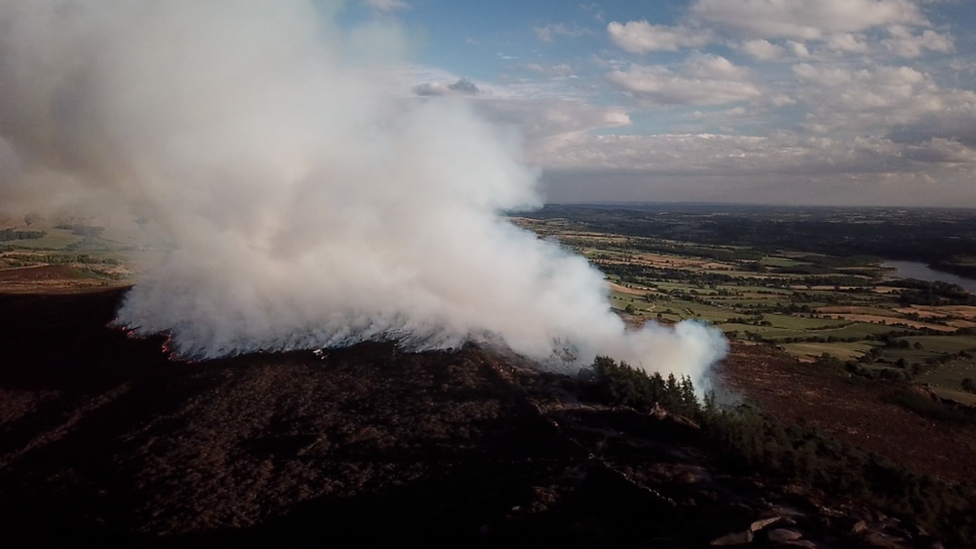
(968, 385)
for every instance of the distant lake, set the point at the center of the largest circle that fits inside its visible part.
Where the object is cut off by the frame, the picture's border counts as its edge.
(921, 271)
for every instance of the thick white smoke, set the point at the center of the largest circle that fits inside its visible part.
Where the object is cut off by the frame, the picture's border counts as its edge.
(309, 206)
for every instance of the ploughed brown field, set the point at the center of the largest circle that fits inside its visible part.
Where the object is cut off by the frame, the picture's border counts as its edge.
(103, 439)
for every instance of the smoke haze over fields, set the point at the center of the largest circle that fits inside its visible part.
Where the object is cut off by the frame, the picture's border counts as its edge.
(309, 205)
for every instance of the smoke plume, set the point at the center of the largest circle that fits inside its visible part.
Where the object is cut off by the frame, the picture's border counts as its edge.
(309, 205)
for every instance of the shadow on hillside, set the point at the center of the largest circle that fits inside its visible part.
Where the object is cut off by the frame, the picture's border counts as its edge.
(103, 439)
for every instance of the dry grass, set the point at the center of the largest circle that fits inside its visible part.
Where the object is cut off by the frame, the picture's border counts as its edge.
(886, 289)
(964, 312)
(630, 291)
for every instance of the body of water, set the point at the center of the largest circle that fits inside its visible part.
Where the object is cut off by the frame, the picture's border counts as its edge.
(921, 271)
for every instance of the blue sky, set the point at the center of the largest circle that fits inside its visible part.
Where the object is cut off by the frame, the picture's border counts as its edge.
(763, 101)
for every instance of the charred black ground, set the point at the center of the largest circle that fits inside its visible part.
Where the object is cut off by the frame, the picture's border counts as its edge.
(103, 439)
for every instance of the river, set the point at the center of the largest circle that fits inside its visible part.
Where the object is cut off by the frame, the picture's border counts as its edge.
(921, 271)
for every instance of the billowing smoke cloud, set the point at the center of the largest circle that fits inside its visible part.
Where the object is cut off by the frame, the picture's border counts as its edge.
(309, 206)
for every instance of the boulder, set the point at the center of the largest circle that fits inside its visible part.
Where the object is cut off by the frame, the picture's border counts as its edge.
(762, 523)
(783, 535)
(735, 538)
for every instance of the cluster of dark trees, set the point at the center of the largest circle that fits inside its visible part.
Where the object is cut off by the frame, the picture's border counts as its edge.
(923, 292)
(82, 230)
(6, 235)
(62, 259)
(623, 385)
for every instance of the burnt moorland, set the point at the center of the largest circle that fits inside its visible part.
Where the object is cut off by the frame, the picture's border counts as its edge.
(103, 439)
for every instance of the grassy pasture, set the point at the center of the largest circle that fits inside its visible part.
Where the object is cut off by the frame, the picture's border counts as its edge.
(672, 317)
(748, 304)
(779, 334)
(621, 300)
(752, 276)
(707, 312)
(743, 328)
(954, 394)
(680, 310)
(900, 323)
(761, 290)
(843, 351)
(801, 323)
(944, 344)
(858, 309)
(55, 239)
(745, 302)
(859, 330)
(779, 261)
(951, 374)
(683, 287)
(797, 255)
(911, 356)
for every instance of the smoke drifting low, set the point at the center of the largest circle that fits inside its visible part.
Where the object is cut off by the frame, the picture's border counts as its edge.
(309, 206)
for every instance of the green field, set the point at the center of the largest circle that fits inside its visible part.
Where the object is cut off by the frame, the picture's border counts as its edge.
(777, 261)
(911, 356)
(55, 239)
(944, 344)
(861, 330)
(801, 323)
(743, 328)
(956, 395)
(843, 351)
(951, 374)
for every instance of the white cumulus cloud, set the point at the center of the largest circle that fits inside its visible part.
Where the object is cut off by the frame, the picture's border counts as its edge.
(643, 37)
(763, 50)
(904, 43)
(885, 99)
(805, 19)
(701, 80)
(846, 42)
